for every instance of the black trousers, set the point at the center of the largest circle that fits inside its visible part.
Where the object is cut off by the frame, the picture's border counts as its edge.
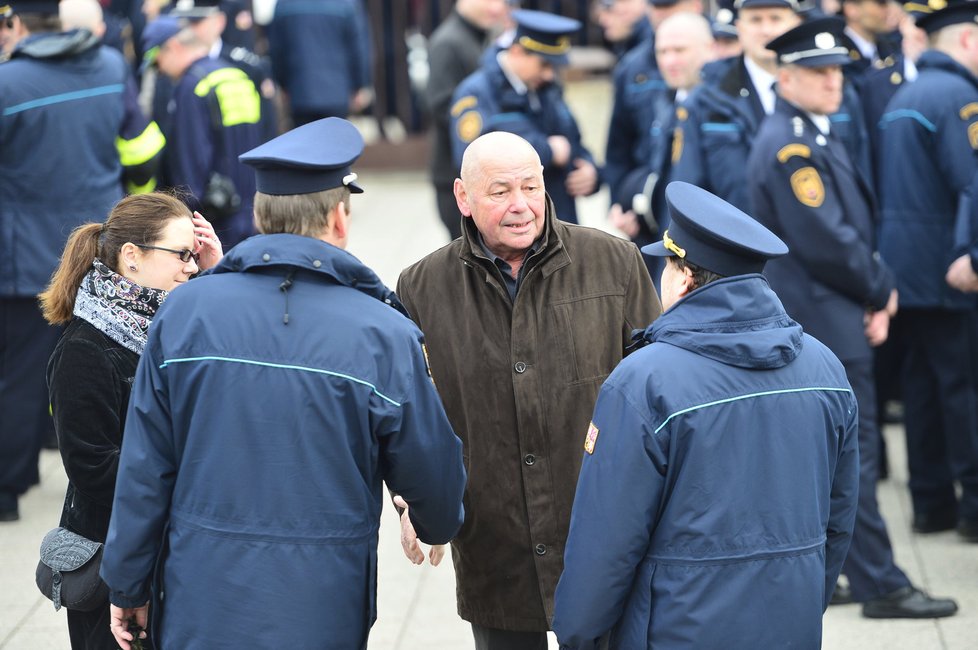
(489, 638)
(26, 344)
(869, 564)
(940, 410)
(448, 208)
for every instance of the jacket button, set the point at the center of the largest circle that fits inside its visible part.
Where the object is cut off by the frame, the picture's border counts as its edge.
(317, 263)
(541, 549)
(530, 459)
(520, 367)
(266, 257)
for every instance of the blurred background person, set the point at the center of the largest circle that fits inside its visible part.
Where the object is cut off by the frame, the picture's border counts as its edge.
(112, 278)
(454, 51)
(321, 58)
(65, 136)
(625, 24)
(213, 117)
(517, 90)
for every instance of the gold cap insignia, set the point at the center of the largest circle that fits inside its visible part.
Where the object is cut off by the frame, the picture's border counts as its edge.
(671, 245)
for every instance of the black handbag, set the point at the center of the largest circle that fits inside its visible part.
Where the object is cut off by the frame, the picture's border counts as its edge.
(67, 574)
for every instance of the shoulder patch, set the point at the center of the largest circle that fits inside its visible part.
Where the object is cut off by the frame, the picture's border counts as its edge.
(469, 126)
(794, 149)
(807, 186)
(682, 114)
(968, 110)
(427, 364)
(466, 102)
(677, 144)
(591, 439)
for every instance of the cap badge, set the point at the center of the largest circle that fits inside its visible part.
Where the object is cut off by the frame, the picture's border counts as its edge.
(824, 41)
(671, 245)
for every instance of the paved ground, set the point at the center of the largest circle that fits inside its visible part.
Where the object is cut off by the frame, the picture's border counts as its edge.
(394, 225)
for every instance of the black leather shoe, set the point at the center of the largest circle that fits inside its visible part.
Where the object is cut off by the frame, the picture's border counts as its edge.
(935, 521)
(968, 529)
(909, 602)
(8, 507)
(9, 515)
(842, 594)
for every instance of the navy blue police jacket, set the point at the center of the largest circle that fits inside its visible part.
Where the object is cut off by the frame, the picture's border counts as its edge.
(929, 136)
(805, 189)
(717, 494)
(641, 97)
(320, 53)
(67, 114)
(215, 116)
(260, 447)
(485, 101)
(876, 88)
(723, 116)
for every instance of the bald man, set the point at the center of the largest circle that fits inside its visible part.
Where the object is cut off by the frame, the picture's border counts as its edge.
(524, 316)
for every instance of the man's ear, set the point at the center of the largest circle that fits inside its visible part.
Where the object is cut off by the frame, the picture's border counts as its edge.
(462, 198)
(340, 221)
(687, 283)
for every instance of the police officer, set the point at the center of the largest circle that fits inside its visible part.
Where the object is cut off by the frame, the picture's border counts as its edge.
(808, 192)
(716, 499)
(279, 393)
(683, 44)
(516, 91)
(213, 117)
(70, 132)
(929, 138)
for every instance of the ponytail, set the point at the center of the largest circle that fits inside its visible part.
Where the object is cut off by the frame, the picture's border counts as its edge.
(58, 300)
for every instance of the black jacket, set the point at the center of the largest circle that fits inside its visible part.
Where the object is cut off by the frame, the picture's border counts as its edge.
(89, 381)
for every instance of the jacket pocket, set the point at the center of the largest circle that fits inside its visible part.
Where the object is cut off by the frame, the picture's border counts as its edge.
(588, 336)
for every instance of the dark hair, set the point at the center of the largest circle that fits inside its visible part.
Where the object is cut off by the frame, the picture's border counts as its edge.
(139, 218)
(701, 277)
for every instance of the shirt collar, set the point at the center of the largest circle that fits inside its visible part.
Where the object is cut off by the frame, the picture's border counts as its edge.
(763, 83)
(866, 48)
(513, 80)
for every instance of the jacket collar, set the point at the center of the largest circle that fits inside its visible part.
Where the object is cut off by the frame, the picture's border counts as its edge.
(738, 321)
(56, 44)
(293, 252)
(550, 256)
(935, 60)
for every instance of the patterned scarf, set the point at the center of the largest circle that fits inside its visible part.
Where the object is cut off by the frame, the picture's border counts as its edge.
(116, 306)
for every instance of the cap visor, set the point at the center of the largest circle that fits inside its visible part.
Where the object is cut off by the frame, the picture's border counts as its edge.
(657, 249)
(354, 188)
(823, 60)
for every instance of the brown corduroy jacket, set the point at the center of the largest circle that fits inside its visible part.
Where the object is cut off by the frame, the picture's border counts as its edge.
(519, 380)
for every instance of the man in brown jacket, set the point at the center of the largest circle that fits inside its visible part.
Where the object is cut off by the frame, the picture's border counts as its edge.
(524, 318)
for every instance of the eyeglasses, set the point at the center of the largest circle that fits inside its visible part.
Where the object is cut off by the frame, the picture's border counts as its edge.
(185, 255)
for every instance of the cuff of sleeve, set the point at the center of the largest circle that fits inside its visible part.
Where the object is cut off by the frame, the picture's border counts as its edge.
(120, 599)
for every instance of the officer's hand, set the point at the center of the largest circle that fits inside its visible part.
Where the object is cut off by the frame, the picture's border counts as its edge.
(877, 327)
(409, 539)
(583, 180)
(560, 150)
(361, 100)
(208, 247)
(961, 275)
(626, 222)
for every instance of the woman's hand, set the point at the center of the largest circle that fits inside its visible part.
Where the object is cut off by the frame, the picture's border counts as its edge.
(208, 245)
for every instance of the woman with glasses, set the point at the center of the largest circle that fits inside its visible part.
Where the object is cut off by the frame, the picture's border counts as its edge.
(112, 278)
